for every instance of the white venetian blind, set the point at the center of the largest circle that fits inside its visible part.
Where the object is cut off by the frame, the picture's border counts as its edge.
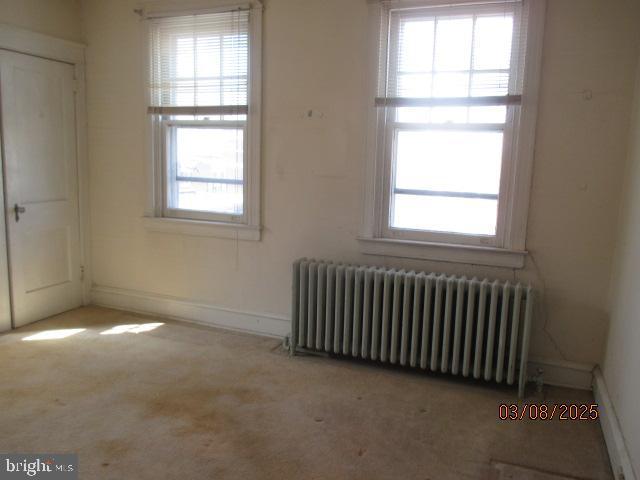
(200, 64)
(452, 54)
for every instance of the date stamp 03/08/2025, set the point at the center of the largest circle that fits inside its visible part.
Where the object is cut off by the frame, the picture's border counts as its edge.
(543, 411)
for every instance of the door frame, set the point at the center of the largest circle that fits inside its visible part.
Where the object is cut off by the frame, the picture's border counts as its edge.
(19, 40)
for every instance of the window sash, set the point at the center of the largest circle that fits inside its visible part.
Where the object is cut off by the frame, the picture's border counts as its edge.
(442, 193)
(169, 129)
(388, 131)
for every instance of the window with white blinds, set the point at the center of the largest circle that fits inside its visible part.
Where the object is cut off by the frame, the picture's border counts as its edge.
(465, 55)
(200, 64)
(449, 94)
(200, 92)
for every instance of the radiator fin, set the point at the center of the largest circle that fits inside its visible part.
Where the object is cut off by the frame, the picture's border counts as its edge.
(416, 319)
(311, 307)
(339, 308)
(321, 304)
(468, 331)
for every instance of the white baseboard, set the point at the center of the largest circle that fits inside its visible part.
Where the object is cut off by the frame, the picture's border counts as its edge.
(565, 374)
(181, 309)
(618, 454)
(561, 373)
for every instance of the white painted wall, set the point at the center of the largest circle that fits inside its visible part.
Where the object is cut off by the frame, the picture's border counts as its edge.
(58, 18)
(622, 359)
(314, 58)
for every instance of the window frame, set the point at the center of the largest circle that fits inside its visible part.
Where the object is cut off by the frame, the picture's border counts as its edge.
(158, 215)
(507, 248)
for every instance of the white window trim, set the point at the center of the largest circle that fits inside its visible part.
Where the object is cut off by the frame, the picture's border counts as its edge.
(510, 249)
(198, 228)
(155, 215)
(168, 127)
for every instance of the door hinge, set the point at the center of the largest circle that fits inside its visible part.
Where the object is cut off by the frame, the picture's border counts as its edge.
(81, 272)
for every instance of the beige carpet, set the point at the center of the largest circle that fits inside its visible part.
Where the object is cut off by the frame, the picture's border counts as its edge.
(185, 402)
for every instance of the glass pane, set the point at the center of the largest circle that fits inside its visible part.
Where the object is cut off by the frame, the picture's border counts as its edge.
(235, 55)
(445, 214)
(209, 152)
(413, 114)
(492, 42)
(449, 161)
(451, 85)
(453, 43)
(497, 114)
(449, 115)
(209, 197)
(489, 84)
(201, 61)
(414, 85)
(217, 118)
(208, 92)
(208, 56)
(235, 93)
(215, 156)
(488, 114)
(211, 92)
(234, 118)
(207, 70)
(416, 46)
(184, 57)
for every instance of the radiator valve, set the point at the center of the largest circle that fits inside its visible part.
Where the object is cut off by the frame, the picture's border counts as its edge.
(286, 344)
(539, 380)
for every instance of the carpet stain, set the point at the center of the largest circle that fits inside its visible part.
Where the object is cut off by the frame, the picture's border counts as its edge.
(201, 410)
(113, 449)
(224, 416)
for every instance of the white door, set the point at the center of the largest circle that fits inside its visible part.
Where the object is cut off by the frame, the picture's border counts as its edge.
(41, 184)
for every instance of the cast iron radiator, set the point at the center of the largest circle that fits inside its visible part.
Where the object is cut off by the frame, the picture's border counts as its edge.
(454, 325)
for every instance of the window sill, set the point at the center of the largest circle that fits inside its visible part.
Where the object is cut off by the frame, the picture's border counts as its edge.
(200, 228)
(475, 255)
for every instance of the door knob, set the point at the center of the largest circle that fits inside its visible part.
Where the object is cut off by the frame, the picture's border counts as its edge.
(18, 210)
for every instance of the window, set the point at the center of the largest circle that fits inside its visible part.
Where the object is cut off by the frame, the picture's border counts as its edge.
(450, 123)
(204, 107)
